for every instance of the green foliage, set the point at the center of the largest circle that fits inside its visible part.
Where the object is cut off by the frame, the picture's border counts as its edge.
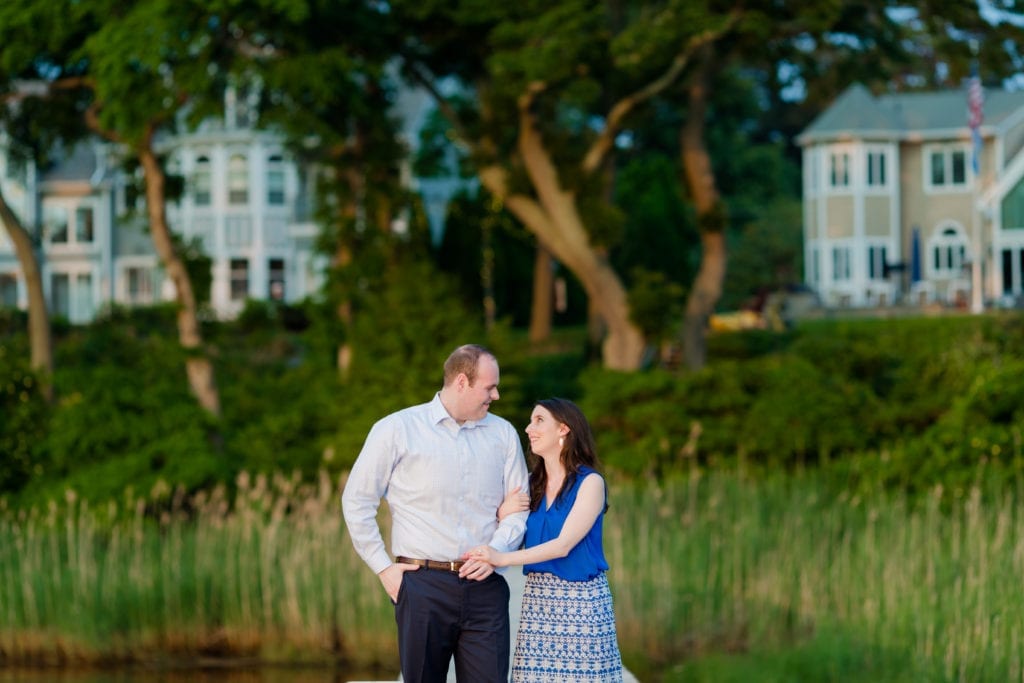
(893, 403)
(659, 233)
(766, 254)
(125, 417)
(198, 264)
(655, 305)
(980, 432)
(802, 411)
(655, 422)
(563, 39)
(636, 419)
(399, 348)
(907, 404)
(527, 378)
(280, 397)
(472, 220)
(24, 417)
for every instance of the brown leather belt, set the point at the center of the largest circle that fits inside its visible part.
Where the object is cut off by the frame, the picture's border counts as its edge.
(452, 566)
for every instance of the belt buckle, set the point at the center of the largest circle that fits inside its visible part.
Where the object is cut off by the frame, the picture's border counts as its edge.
(451, 565)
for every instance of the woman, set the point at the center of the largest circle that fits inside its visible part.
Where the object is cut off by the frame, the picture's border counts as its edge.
(567, 626)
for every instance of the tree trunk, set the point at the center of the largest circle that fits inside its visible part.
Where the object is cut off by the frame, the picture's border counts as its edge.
(39, 333)
(541, 308)
(711, 218)
(349, 215)
(707, 289)
(197, 364)
(554, 218)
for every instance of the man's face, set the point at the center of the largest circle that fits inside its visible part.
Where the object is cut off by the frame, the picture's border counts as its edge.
(475, 399)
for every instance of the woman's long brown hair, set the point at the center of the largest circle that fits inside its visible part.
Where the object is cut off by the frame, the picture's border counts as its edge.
(577, 450)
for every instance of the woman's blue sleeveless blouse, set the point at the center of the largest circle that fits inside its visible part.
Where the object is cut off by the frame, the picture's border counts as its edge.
(586, 560)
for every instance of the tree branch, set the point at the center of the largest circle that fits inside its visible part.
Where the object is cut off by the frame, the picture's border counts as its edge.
(24, 89)
(92, 119)
(613, 124)
(447, 110)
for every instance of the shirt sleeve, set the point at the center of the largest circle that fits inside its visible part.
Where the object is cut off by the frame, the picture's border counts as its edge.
(509, 534)
(367, 483)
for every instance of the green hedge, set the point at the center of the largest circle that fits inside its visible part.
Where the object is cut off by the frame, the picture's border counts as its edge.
(906, 403)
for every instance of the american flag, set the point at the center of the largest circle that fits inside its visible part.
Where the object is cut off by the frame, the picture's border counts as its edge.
(975, 98)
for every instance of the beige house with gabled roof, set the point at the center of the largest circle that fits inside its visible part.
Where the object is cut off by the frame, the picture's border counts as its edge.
(893, 209)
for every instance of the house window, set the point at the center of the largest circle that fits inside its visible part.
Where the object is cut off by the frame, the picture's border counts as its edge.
(947, 167)
(811, 172)
(202, 182)
(840, 264)
(239, 279)
(275, 181)
(140, 285)
(815, 266)
(276, 280)
(84, 308)
(84, 225)
(238, 180)
(55, 218)
(949, 253)
(60, 295)
(238, 230)
(839, 169)
(8, 291)
(59, 230)
(876, 262)
(876, 168)
(1008, 275)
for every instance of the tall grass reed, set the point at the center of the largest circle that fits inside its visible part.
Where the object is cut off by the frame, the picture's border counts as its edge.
(919, 589)
(272, 576)
(925, 589)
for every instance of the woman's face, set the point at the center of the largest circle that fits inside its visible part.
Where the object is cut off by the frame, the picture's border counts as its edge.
(544, 431)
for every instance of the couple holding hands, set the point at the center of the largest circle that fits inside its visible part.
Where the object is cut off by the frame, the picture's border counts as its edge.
(462, 504)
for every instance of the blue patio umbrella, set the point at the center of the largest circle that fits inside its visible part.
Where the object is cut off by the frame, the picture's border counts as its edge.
(915, 256)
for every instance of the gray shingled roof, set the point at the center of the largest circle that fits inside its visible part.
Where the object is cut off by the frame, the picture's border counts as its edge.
(857, 111)
(78, 164)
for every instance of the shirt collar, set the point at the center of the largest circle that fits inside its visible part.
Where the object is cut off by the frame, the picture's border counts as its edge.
(438, 414)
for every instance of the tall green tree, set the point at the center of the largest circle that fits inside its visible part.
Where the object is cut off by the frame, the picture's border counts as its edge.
(323, 73)
(550, 102)
(39, 332)
(32, 128)
(138, 67)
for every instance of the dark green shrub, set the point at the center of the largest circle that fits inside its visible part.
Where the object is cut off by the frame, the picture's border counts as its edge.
(124, 417)
(748, 344)
(24, 417)
(656, 421)
(399, 345)
(655, 304)
(976, 440)
(804, 414)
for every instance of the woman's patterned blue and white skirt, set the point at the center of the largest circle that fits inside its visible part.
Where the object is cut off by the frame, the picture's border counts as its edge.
(566, 632)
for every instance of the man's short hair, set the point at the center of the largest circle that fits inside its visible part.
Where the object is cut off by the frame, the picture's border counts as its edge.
(464, 360)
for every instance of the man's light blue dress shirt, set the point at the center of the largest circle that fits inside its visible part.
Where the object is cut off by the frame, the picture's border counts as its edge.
(443, 483)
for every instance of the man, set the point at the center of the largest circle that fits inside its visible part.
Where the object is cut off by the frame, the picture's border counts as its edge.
(444, 467)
